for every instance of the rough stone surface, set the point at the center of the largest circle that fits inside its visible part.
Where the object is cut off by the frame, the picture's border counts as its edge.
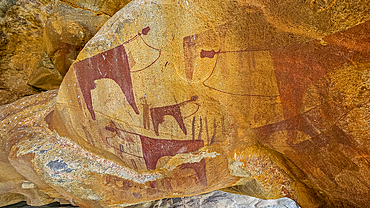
(211, 200)
(21, 43)
(13, 186)
(39, 32)
(24, 204)
(71, 24)
(67, 31)
(179, 98)
(218, 199)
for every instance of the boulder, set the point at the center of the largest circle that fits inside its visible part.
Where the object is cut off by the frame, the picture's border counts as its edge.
(70, 25)
(29, 29)
(14, 186)
(21, 41)
(218, 199)
(179, 98)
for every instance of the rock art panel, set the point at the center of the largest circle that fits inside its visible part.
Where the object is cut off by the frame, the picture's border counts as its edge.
(173, 99)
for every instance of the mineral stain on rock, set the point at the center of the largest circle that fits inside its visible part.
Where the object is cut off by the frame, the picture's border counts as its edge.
(59, 166)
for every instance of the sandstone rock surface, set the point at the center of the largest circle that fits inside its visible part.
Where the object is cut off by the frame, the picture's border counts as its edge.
(218, 199)
(40, 39)
(13, 186)
(70, 25)
(21, 43)
(179, 98)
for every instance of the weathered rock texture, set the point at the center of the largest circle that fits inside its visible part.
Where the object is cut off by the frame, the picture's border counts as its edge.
(218, 199)
(211, 200)
(179, 98)
(13, 186)
(40, 39)
(21, 43)
(71, 24)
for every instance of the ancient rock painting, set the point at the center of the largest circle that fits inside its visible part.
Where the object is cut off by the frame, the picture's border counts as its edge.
(327, 149)
(127, 146)
(154, 149)
(158, 114)
(251, 63)
(142, 152)
(150, 150)
(298, 66)
(146, 117)
(189, 55)
(112, 64)
(139, 151)
(222, 71)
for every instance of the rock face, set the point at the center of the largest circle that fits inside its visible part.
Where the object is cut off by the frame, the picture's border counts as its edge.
(21, 43)
(39, 40)
(65, 33)
(13, 186)
(70, 26)
(178, 98)
(218, 199)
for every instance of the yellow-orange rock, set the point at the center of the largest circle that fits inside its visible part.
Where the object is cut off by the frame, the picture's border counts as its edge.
(28, 29)
(21, 43)
(13, 186)
(70, 26)
(177, 98)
